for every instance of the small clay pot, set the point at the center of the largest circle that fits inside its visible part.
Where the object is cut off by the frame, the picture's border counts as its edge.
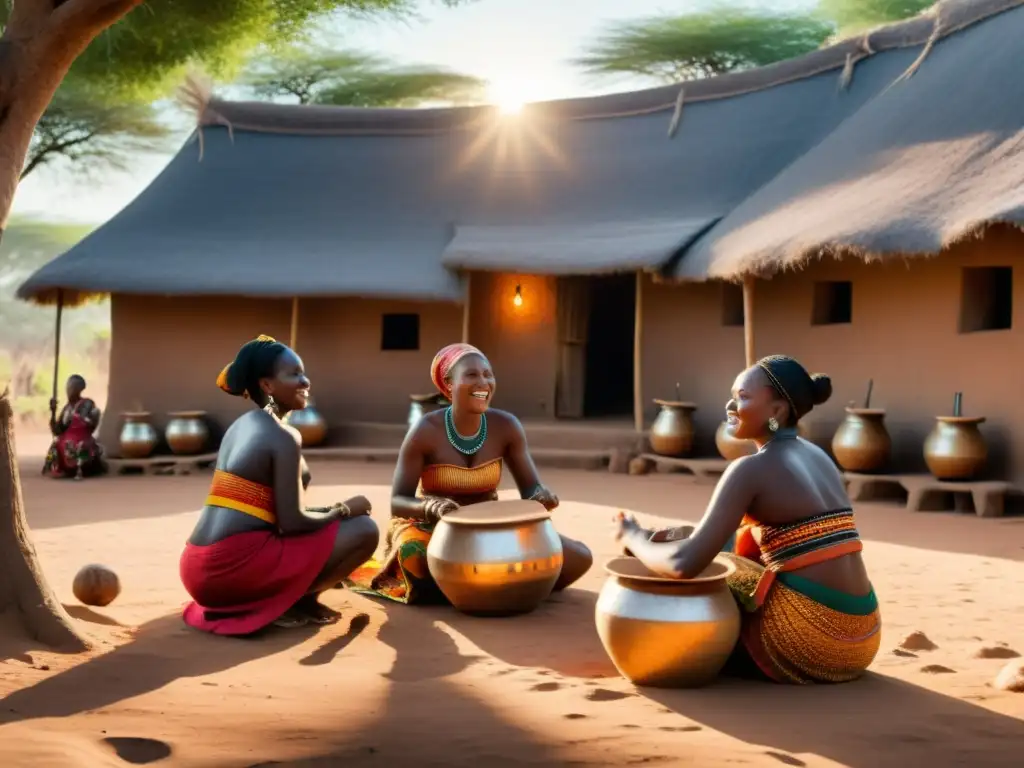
(187, 433)
(138, 437)
(731, 449)
(862, 443)
(309, 423)
(672, 430)
(956, 449)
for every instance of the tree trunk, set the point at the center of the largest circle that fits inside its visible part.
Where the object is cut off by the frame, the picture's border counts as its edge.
(41, 40)
(24, 592)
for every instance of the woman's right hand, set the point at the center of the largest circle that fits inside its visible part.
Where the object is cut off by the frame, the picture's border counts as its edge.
(358, 505)
(435, 508)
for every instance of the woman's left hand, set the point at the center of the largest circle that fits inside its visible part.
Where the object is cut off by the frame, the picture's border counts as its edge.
(545, 497)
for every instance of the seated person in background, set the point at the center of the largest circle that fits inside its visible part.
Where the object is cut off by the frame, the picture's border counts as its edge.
(257, 556)
(74, 452)
(454, 457)
(810, 613)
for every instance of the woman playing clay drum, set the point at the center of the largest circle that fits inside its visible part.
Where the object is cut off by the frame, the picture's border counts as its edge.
(451, 458)
(810, 613)
(257, 556)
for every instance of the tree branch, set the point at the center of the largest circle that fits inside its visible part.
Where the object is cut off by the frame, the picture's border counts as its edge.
(89, 16)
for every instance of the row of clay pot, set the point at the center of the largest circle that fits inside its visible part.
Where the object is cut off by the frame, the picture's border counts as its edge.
(187, 433)
(954, 450)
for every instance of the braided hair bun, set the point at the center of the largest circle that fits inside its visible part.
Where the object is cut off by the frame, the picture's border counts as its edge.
(821, 387)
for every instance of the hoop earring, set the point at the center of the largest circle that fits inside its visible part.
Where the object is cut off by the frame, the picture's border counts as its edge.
(773, 424)
(271, 406)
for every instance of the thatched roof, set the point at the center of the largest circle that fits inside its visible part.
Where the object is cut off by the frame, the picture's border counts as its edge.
(281, 200)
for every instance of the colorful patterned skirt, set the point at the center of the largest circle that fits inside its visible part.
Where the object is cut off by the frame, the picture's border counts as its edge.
(805, 632)
(403, 576)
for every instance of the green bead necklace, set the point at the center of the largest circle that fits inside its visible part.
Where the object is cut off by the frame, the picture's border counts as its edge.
(466, 445)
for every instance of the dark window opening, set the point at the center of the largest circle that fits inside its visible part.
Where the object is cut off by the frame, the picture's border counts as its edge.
(986, 299)
(400, 333)
(732, 304)
(833, 303)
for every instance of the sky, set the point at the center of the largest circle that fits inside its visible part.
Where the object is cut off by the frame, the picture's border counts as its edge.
(522, 47)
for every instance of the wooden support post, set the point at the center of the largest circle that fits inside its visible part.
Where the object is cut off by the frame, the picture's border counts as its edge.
(465, 310)
(295, 323)
(748, 320)
(638, 356)
(56, 354)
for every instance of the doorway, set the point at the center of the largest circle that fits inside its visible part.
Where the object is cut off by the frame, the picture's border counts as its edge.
(595, 318)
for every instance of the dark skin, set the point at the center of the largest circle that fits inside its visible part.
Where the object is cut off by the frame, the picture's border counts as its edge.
(472, 385)
(788, 480)
(261, 448)
(74, 388)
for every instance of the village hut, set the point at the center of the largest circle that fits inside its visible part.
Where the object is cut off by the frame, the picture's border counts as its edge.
(595, 248)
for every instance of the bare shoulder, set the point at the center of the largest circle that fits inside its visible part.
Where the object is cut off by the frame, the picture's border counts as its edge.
(426, 430)
(503, 420)
(257, 428)
(747, 468)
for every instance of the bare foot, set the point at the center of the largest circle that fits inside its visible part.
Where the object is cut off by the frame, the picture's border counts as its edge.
(315, 611)
(292, 619)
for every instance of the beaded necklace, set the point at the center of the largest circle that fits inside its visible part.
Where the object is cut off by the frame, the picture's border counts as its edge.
(466, 445)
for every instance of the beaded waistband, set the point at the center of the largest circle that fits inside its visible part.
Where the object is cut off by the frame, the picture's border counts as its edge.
(808, 542)
(233, 492)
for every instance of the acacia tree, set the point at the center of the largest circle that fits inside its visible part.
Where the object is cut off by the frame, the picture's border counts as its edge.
(853, 16)
(704, 44)
(141, 52)
(83, 125)
(318, 75)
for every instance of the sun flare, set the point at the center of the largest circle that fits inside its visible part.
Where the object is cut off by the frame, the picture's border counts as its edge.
(508, 96)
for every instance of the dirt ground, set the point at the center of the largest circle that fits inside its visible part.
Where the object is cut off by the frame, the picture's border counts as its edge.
(431, 687)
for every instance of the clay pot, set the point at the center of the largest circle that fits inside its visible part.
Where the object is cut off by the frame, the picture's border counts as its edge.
(955, 449)
(309, 423)
(138, 437)
(96, 585)
(667, 633)
(672, 430)
(187, 433)
(496, 565)
(862, 443)
(731, 449)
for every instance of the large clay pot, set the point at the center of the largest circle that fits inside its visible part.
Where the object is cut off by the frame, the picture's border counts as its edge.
(667, 633)
(187, 433)
(955, 449)
(672, 430)
(496, 558)
(731, 449)
(138, 437)
(421, 405)
(309, 423)
(862, 443)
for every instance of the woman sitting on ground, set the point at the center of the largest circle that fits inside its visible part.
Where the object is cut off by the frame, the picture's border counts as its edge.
(257, 556)
(74, 451)
(810, 613)
(451, 458)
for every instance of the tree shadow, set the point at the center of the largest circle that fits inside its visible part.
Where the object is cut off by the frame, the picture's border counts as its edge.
(875, 722)
(164, 650)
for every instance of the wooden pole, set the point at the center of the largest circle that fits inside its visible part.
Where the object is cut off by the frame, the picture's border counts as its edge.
(56, 352)
(295, 322)
(748, 320)
(638, 356)
(465, 310)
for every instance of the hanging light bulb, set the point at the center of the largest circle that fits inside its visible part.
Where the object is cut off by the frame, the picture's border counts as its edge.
(518, 298)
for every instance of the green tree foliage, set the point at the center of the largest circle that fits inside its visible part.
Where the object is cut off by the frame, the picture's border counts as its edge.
(85, 126)
(704, 44)
(317, 75)
(852, 16)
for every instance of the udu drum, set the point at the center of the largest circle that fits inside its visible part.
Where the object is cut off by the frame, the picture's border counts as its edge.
(663, 632)
(496, 558)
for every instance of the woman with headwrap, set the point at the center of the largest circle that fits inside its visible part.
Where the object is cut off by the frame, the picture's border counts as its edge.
(810, 614)
(257, 556)
(454, 457)
(75, 451)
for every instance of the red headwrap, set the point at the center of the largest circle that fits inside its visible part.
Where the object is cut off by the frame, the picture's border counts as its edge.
(445, 360)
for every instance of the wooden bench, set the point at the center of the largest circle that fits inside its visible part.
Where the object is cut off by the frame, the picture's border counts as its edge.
(925, 493)
(703, 470)
(163, 465)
